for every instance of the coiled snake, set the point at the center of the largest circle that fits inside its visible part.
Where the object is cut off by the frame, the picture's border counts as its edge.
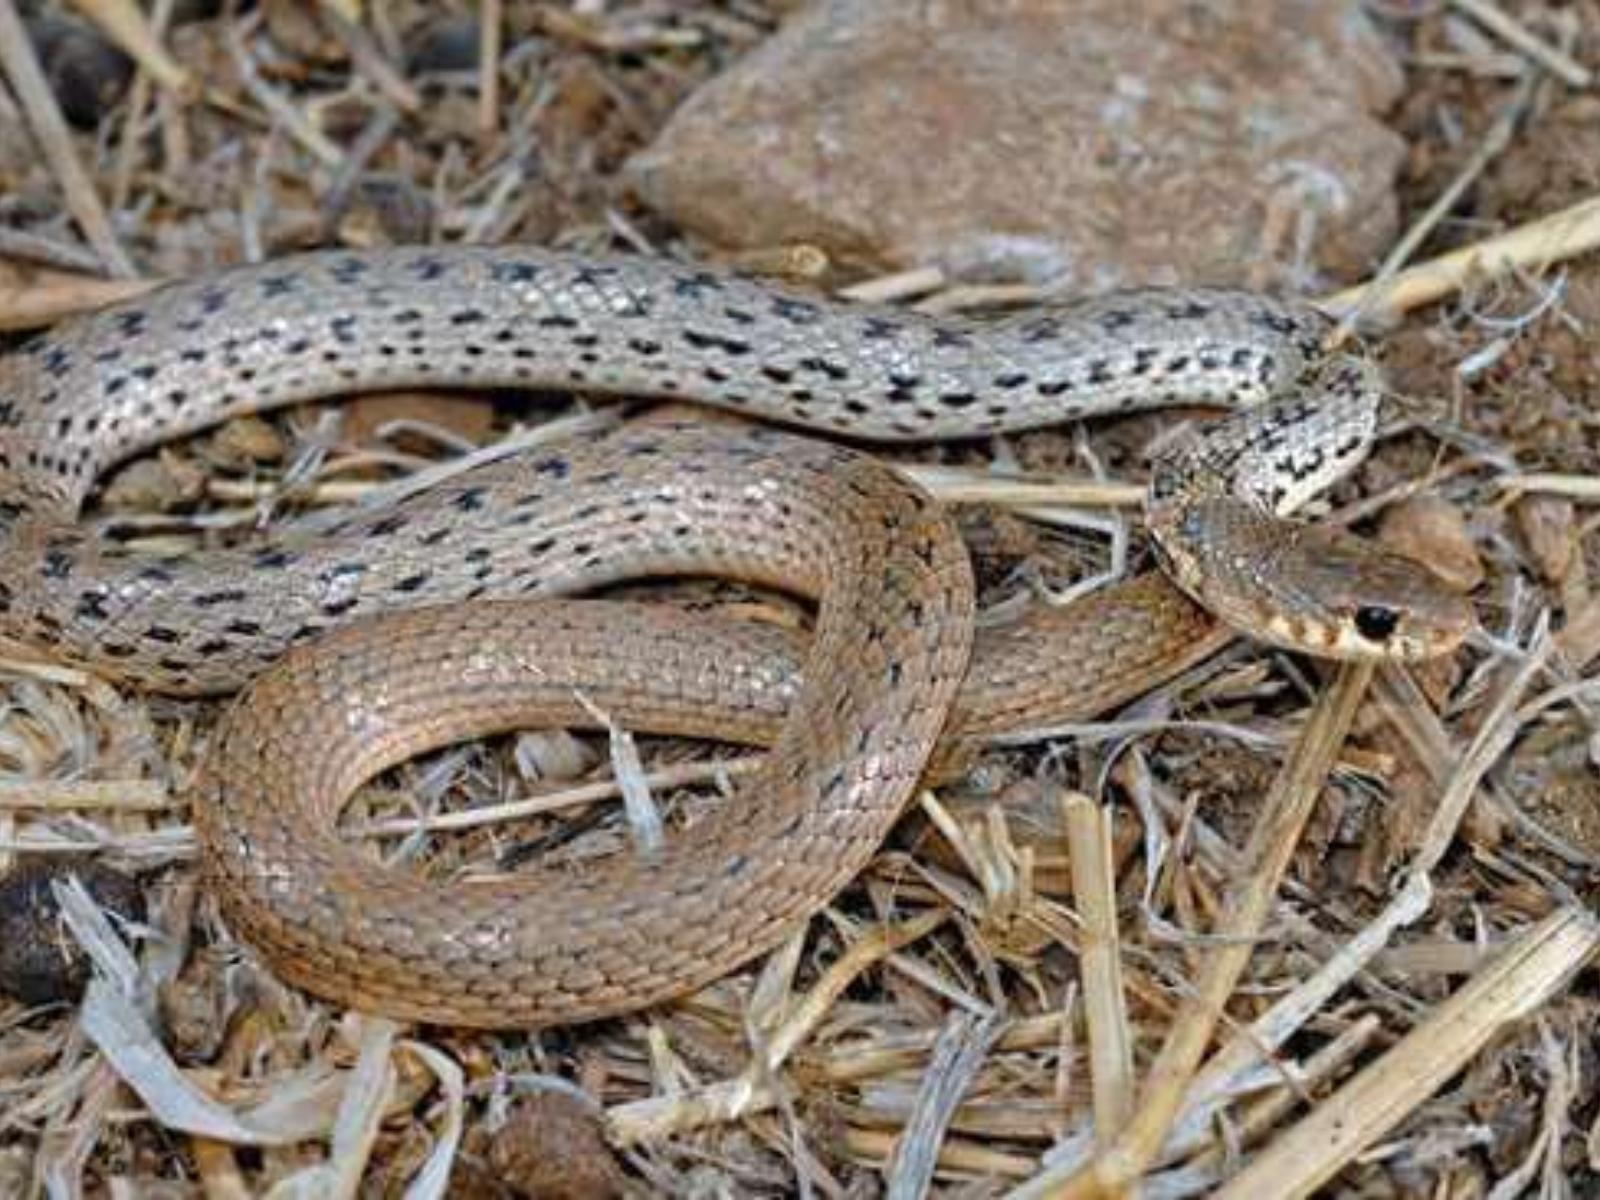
(852, 720)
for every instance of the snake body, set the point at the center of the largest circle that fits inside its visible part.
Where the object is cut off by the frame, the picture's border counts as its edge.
(852, 720)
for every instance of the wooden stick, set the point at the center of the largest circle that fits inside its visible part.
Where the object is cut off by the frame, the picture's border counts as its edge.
(1533, 247)
(1094, 889)
(1511, 31)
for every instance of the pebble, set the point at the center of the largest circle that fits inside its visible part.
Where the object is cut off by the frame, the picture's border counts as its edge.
(87, 74)
(551, 1148)
(1546, 526)
(40, 961)
(1432, 530)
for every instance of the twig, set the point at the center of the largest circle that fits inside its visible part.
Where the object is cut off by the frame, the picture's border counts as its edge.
(682, 775)
(1493, 144)
(134, 114)
(1514, 33)
(30, 247)
(368, 58)
(1094, 890)
(489, 34)
(50, 131)
(278, 106)
(1533, 246)
(1262, 1114)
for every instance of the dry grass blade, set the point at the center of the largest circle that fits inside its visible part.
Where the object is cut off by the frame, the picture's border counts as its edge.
(1493, 738)
(1552, 58)
(957, 1057)
(1262, 1114)
(1094, 888)
(1518, 982)
(1532, 247)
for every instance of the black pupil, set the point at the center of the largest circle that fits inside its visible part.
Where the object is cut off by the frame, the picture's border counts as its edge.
(1376, 622)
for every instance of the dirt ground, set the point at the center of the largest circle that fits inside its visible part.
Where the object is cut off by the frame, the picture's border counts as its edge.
(1495, 384)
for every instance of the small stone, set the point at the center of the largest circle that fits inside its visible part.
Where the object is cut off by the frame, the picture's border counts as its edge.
(1110, 142)
(156, 485)
(248, 440)
(551, 1148)
(1432, 531)
(40, 960)
(447, 44)
(87, 74)
(1546, 525)
(384, 208)
(554, 756)
(297, 29)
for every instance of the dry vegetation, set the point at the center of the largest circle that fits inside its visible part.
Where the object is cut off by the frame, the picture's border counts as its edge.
(1319, 927)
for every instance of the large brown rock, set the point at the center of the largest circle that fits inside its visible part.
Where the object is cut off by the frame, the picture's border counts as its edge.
(1103, 142)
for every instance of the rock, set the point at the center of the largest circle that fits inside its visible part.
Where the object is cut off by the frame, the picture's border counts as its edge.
(1548, 529)
(552, 1148)
(40, 961)
(444, 44)
(87, 74)
(1431, 530)
(1104, 142)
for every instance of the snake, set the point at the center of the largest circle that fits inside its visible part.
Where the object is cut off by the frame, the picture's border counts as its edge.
(447, 615)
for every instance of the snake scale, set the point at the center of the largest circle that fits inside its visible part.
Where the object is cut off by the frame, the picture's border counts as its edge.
(852, 716)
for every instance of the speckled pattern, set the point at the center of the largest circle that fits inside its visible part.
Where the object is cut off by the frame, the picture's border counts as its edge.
(853, 721)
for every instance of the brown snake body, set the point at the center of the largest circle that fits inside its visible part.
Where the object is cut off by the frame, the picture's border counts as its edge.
(894, 621)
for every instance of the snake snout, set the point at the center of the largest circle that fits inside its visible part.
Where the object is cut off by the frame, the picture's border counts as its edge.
(1363, 601)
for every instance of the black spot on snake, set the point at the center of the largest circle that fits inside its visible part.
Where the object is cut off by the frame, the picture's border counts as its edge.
(796, 312)
(130, 324)
(225, 596)
(713, 341)
(513, 272)
(427, 268)
(92, 605)
(822, 366)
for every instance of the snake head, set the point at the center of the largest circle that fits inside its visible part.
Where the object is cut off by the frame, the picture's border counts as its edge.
(1350, 599)
(1312, 589)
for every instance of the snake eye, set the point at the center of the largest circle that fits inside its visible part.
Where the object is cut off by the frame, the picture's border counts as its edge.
(1376, 623)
